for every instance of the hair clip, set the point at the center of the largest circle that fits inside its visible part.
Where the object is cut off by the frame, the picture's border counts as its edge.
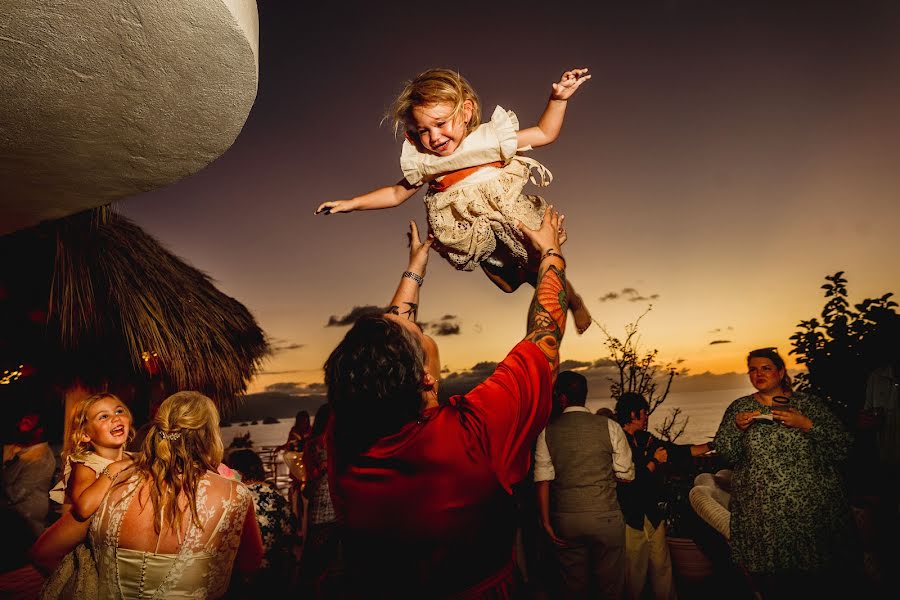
(170, 436)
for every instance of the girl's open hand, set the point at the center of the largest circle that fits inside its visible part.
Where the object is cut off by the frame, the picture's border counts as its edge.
(568, 83)
(334, 206)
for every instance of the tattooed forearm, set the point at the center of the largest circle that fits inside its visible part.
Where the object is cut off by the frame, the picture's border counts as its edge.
(547, 314)
(411, 311)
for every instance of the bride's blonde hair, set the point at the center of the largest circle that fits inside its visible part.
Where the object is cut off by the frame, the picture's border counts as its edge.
(183, 443)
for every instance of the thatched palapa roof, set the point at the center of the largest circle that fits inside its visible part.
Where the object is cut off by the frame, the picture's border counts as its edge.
(119, 306)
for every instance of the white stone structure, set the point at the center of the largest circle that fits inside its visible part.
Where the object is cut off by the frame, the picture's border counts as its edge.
(104, 99)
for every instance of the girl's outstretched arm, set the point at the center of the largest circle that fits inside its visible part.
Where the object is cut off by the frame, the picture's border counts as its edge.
(547, 129)
(384, 197)
(86, 499)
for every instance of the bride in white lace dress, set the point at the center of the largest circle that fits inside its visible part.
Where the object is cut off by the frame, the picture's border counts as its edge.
(171, 526)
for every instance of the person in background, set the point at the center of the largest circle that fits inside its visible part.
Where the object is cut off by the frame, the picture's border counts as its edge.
(320, 568)
(27, 474)
(276, 523)
(293, 457)
(791, 525)
(578, 459)
(646, 551)
(28, 468)
(299, 433)
(422, 489)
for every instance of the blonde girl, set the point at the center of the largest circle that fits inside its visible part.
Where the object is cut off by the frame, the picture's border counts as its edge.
(475, 175)
(100, 429)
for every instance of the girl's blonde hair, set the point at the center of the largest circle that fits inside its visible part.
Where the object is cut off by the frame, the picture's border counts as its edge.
(433, 87)
(183, 443)
(78, 448)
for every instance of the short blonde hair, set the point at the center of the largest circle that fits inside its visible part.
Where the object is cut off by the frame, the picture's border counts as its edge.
(183, 443)
(78, 448)
(434, 86)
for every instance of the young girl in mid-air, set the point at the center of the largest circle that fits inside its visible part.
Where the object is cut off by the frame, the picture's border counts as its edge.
(100, 428)
(475, 175)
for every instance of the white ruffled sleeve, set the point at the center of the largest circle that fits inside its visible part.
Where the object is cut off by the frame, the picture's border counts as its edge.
(506, 125)
(411, 163)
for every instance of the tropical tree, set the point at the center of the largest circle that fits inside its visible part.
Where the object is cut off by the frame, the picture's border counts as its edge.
(846, 345)
(637, 370)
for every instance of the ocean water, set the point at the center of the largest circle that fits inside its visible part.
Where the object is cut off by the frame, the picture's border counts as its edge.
(704, 411)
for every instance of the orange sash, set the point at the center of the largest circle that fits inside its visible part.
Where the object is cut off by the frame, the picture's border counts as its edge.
(454, 177)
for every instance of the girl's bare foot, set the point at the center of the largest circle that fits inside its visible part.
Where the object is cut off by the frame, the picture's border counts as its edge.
(580, 313)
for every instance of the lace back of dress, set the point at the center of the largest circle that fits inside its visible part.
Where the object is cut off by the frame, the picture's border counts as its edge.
(221, 507)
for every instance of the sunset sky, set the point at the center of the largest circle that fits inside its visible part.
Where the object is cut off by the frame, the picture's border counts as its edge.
(723, 159)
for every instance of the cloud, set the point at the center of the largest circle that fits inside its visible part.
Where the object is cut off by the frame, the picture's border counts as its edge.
(354, 315)
(279, 372)
(639, 298)
(712, 343)
(446, 325)
(603, 362)
(569, 365)
(296, 388)
(629, 294)
(279, 345)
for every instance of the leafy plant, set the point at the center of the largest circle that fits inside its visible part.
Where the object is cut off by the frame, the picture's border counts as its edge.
(849, 342)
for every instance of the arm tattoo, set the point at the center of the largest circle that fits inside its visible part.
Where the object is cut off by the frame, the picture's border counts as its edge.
(547, 313)
(412, 310)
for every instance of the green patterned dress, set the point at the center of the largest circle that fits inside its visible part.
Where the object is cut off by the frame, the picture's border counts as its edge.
(789, 512)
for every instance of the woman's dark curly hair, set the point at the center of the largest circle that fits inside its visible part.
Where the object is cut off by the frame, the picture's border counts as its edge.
(374, 379)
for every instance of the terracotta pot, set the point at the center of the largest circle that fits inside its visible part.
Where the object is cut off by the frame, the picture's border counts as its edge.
(688, 561)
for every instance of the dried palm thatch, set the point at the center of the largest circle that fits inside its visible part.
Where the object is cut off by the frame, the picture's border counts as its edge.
(121, 305)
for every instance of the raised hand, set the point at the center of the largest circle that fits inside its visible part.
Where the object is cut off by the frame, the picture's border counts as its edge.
(568, 83)
(548, 235)
(418, 250)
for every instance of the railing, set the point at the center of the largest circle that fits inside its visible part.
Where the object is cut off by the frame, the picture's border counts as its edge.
(276, 471)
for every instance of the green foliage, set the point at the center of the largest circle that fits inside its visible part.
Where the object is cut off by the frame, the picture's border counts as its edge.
(849, 342)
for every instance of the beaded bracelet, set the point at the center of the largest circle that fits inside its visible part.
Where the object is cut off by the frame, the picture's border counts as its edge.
(415, 277)
(552, 252)
(106, 472)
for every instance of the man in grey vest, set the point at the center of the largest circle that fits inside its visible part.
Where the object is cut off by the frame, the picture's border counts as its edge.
(579, 458)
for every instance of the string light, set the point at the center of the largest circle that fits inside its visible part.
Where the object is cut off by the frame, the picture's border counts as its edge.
(11, 375)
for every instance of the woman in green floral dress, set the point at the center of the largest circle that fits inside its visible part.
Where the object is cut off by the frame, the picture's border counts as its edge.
(791, 527)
